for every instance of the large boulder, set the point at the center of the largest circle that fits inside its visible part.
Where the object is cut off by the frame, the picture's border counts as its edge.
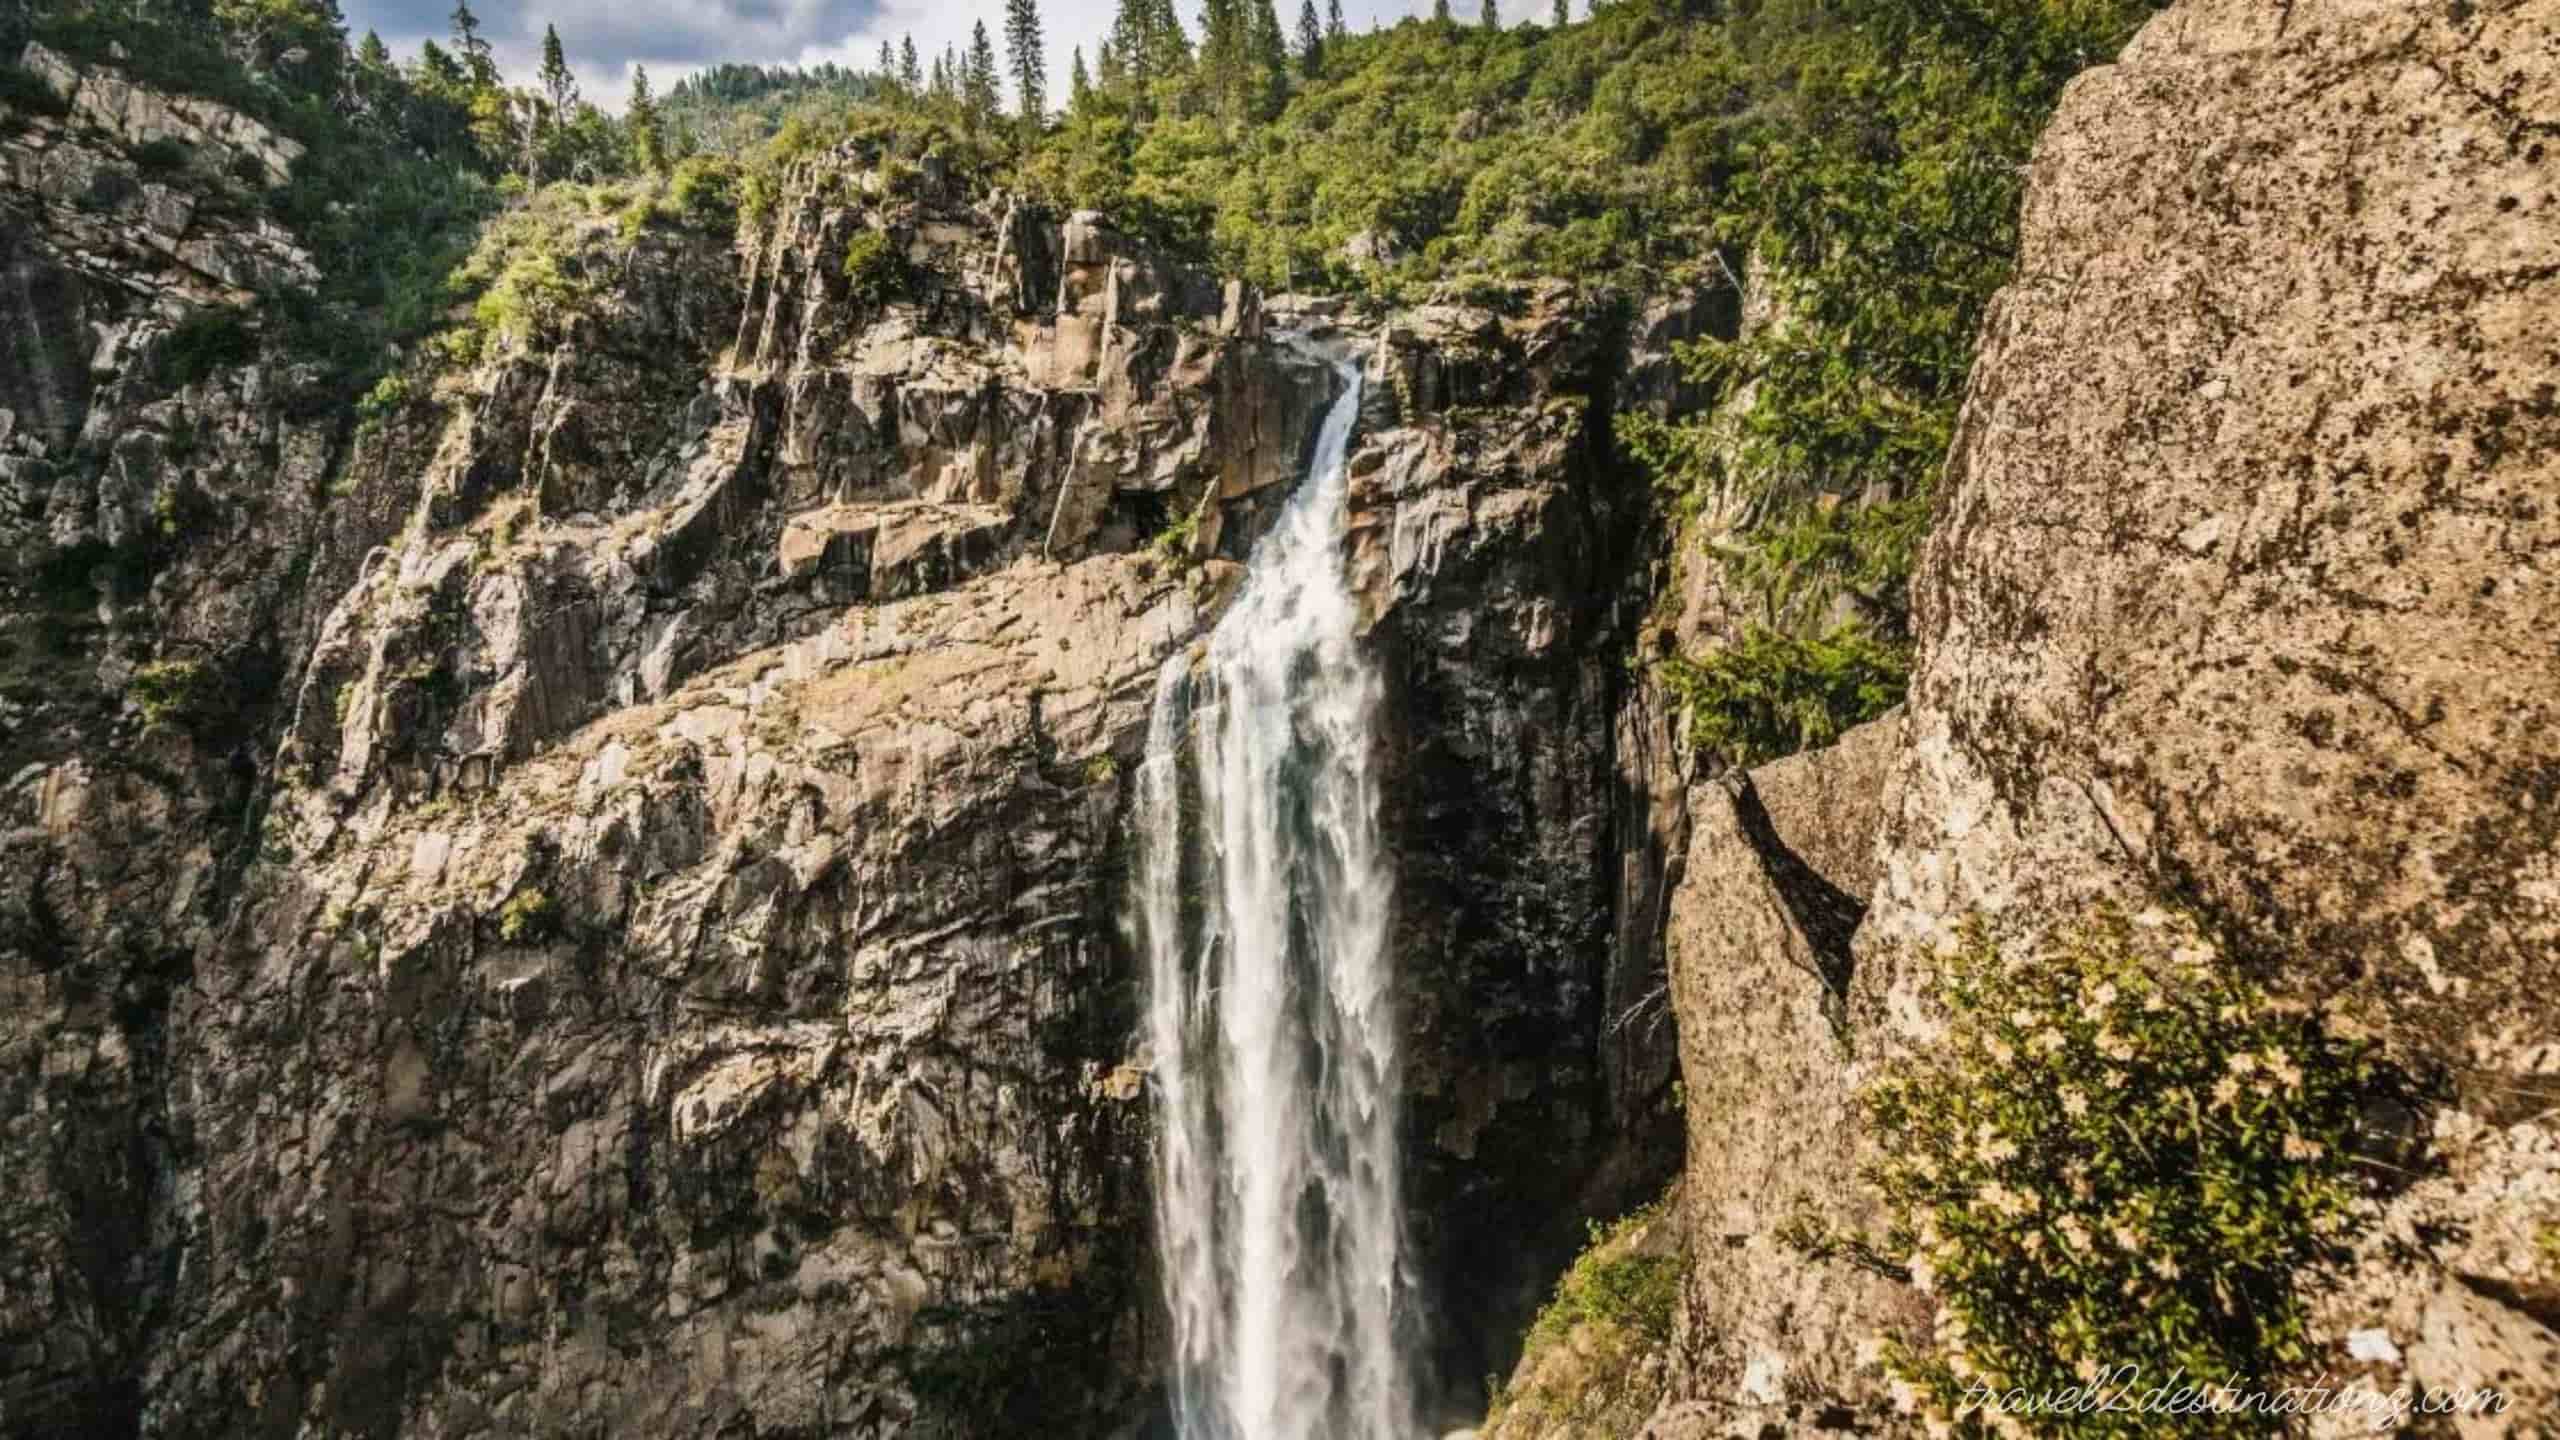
(2242, 595)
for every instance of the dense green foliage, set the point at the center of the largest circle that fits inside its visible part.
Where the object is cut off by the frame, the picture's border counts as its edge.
(2125, 1155)
(731, 108)
(402, 165)
(1594, 1362)
(1861, 161)
(1877, 199)
(1771, 693)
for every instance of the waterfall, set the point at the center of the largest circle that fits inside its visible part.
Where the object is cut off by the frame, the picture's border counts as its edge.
(1261, 898)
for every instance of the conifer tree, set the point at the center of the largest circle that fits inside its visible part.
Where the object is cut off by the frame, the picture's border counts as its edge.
(648, 132)
(559, 87)
(1440, 12)
(1079, 84)
(1310, 39)
(910, 74)
(979, 86)
(479, 67)
(888, 62)
(1023, 48)
(375, 79)
(1270, 61)
(1563, 16)
(1489, 19)
(1333, 27)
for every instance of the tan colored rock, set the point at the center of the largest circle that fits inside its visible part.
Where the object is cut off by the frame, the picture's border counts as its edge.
(2243, 591)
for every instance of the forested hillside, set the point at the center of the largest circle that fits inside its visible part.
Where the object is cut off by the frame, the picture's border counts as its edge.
(1861, 160)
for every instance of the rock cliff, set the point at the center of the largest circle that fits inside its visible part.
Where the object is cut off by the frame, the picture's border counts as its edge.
(2242, 602)
(590, 898)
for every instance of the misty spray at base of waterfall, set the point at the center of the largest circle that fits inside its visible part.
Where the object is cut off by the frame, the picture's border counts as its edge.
(1262, 899)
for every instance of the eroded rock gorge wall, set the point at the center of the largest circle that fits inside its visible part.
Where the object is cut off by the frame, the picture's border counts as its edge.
(629, 942)
(2243, 598)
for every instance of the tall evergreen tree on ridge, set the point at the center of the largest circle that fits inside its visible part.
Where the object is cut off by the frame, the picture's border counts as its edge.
(559, 87)
(1333, 27)
(1023, 48)
(1270, 61)
(1079, 84)
(479, 67)
(1564, 15)
(1310, 39)
(888, 61)
(640, 117)
(911, 75)
(979, 87)
(1440, 12)
(1490, 19)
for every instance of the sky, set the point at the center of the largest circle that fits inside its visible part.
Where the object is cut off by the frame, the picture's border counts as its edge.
(605, 38)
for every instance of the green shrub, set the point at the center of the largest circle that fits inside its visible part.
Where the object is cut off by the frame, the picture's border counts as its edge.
(385, 398)
(1773, 694)
(526, 918)
(160, 158)
(2122, 1154)
(703, 192)
(1594, 1361)
(874, 271)
(178, 692)
(24, 90)
(205, 341)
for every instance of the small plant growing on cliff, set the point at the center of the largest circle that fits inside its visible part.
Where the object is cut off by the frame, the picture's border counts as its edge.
(874, 271)
(1773, 694)
(160, 159)
(526, 918)
(172, 691)
(2123, 1154)
(1593, 1362)
(205, 341)
(384, 400)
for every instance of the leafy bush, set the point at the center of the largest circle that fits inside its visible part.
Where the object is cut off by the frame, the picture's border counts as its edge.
(703, 192)
(2123, 1153)
(385, 398)
(160, 158)
(1593, 1362)
(873, 269)
(205, 341)
(172, 692)
(24, 90)
(1773, 694)
(526, 918)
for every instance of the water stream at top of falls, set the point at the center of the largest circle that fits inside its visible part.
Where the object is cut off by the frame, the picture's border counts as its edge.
(1262, 893)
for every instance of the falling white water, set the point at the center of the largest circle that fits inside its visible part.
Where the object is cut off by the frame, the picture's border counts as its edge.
(1262, 898)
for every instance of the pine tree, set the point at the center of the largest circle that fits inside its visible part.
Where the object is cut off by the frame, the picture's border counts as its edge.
(888, 62)
(910, 74)
(1563, 16)
(648, 132)
(1222, 57)
(1440, 12)
(479, 67)
(1333, 27)
(1489, 20)
(559, 87)
(1310, 39)
(978, 81)
(1079, 84)
(1270, 61)
(1023, 47)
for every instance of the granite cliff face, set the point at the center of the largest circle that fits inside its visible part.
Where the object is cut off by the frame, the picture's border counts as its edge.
(590, 900)
(618, 926)
(2242, 600)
